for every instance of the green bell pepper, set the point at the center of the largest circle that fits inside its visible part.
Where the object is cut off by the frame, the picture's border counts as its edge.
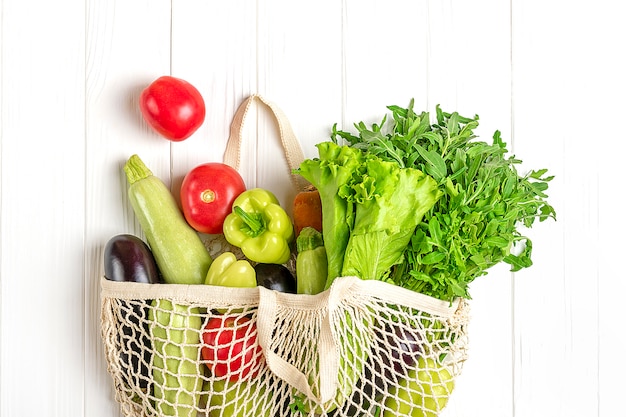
(260, 227)
(227, 271)
(311, 263)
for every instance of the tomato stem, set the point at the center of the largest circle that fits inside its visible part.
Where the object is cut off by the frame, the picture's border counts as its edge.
(208, 196)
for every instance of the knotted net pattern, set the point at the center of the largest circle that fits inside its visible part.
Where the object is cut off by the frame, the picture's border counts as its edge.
(359, 348)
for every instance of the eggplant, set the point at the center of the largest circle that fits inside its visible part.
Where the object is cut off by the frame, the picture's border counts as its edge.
(399, 348)
(128, 258)
(275, 277)
(406, 347)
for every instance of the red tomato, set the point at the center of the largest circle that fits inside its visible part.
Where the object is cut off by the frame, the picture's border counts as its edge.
(207, 194)
(172, 107)
(230, 347)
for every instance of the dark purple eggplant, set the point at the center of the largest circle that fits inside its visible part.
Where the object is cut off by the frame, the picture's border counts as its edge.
(398, 348)
(128, 258)
(406, 347)
(275, 277)
(403, 347)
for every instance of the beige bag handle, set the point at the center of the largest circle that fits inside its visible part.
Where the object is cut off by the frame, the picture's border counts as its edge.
(328, 359)
(289, 141)
(329, 302)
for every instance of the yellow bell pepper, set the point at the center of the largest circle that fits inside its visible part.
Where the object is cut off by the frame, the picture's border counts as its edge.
(227, 271)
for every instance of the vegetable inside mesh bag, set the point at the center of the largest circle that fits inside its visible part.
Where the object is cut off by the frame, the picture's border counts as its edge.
(359, 348)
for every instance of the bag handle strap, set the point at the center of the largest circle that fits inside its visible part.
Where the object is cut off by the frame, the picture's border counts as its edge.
(279, 365)
(291, 145)
(328, 344)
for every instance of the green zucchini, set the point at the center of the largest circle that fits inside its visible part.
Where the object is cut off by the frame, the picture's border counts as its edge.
(312, 262)
(182, 258)
(180, 254)
(176, 371)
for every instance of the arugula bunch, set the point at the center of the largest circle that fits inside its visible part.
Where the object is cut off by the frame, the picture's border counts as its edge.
(485, 201)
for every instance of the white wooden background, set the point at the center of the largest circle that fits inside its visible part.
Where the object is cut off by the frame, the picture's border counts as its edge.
(545, 342)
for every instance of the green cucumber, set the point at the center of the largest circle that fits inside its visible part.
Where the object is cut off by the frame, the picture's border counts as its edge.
(178, 250)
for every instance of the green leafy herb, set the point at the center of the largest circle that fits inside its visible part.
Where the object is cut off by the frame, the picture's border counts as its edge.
(297, 406)
(476, 222)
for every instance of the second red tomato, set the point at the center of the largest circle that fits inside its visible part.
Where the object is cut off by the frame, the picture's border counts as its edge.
(230, 347)
(173, 107)
(207, 194)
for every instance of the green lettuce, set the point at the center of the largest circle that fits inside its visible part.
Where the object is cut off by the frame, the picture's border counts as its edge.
(370, 208)
(331, 171)
(389, 203)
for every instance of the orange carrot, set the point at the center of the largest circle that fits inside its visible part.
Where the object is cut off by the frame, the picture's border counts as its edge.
(307, 210)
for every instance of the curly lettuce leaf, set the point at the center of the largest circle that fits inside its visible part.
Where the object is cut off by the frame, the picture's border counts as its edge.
(389, 203)
(331, 171)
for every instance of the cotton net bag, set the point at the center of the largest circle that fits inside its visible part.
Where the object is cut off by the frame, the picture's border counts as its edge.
(360, 348)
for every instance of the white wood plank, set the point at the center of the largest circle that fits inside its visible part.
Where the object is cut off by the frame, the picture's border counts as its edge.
(443, 70)
(604, 102)
(386, 58)
(42, 162)
(214, 47)
(556, 301)
(299, 69)
(121, 61)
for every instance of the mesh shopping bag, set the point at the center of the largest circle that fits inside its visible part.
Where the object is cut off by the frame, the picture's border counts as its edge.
(355, 348)
(360, 348)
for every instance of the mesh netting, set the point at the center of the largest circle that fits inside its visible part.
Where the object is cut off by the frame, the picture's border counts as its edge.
(360, 348)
